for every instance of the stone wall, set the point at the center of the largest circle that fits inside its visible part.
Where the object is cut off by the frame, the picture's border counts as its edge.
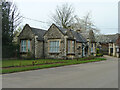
(78, 52)
(39, 48)
(105, 48)
(115, 53)
(89, 49)
(54, 34)
(27, 34)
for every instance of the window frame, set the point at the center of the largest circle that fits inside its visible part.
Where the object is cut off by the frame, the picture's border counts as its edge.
(29, 45)
(92, 47)
(70, 46)
(24, 44)
(54, 46)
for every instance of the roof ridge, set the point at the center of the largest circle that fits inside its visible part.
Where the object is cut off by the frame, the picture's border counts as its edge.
(78, 36)
(38, 28)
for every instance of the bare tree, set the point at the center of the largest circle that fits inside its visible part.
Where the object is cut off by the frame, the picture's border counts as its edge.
(16, 33)
(85, 24)
(11, 19)
(63, 16)
(15, 16)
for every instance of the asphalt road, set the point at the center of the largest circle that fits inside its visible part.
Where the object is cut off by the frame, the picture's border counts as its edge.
(103, 74)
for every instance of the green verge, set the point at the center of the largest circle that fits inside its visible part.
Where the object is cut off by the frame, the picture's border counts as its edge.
(35, 67)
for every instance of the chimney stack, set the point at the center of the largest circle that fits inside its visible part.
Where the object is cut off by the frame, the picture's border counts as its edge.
(78, 30)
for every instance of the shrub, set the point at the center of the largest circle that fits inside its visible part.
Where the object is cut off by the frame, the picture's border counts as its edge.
(29, 55)
(97, 50)
(10, 51)
(99, 55)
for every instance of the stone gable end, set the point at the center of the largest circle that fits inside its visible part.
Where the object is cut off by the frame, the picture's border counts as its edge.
(53, 32)
(26, 33)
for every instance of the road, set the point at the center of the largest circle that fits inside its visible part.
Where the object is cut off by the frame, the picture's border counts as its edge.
(103, 74)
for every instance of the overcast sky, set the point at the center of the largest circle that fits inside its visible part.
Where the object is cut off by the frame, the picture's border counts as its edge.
(104, 13)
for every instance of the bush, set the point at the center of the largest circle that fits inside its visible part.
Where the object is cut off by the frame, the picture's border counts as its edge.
(86, 58)
(99, 55)
(10, 51)
(97, 50)
(29, 55)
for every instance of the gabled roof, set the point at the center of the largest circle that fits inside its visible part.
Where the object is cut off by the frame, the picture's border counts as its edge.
(38, 32)
(64, 31)
(89, 35)
(108, 38)
(85, 35)
(78, 36)
(112, 38)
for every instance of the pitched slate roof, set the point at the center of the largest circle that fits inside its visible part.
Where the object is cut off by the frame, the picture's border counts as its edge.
(112, 38)
(78, 36)
(38, 32)
(85, 35)
(108, 38)
(89, 35)
(63, 30)
(102, 39)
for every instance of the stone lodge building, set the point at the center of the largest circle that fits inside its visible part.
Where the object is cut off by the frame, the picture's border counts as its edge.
(56, 42)
(110, 44)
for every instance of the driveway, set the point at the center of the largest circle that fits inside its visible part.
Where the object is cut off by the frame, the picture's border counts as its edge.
(103, 74)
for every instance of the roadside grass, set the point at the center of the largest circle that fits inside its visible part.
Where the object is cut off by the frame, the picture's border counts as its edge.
(15, 63)
(10, 66)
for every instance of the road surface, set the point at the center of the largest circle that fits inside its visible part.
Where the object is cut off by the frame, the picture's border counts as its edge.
(103, 74)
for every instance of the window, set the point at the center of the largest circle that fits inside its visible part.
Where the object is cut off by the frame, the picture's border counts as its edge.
(118, 50)
(91, 47)
(54, 46)
(111, 50)
(25, 45)
(79, 50)
(68, 46)
(71, 46)
(28, 45)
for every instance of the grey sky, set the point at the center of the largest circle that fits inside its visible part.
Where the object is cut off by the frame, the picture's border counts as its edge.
(104, 13)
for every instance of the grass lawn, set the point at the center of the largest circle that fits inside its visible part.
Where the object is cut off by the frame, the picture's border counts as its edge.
(10, 66)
